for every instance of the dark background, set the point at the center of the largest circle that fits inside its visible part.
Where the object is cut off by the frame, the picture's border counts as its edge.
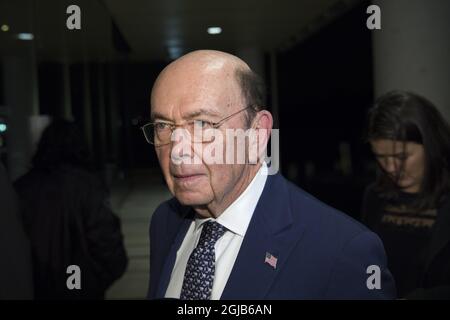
(324, 79)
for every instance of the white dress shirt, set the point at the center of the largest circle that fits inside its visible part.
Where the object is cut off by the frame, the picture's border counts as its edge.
(236, 219)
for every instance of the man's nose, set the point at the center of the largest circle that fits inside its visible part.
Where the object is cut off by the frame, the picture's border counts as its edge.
(181, 143)
(182, 148)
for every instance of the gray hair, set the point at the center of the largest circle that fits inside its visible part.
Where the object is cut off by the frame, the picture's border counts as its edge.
(253, 91)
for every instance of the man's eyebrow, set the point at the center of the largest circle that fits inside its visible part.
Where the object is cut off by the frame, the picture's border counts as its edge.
(201, 112)
(189, 115)
(156, 115)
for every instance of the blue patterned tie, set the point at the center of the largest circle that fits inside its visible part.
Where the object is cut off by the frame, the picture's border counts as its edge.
(199, 274)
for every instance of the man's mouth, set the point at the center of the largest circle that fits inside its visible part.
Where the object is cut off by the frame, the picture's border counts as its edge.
(187, 177)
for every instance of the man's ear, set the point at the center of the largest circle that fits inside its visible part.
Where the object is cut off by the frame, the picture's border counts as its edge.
(264, 120)
(263, 126)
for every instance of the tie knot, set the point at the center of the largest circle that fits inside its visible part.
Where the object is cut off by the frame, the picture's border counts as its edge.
(211, 232)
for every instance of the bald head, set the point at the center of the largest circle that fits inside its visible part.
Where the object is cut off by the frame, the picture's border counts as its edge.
(211, 58)
(200, 69)
(205, 61)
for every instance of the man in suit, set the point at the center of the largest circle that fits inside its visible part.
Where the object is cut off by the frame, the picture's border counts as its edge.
(232, 230)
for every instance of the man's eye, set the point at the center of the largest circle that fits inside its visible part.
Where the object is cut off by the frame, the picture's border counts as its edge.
(161, 126)
(202, 124)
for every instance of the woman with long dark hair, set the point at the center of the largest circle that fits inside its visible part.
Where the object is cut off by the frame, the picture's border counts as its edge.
(409, 203)
(68, 220)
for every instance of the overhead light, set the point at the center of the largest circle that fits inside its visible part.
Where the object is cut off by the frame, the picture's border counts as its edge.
(4, 28)
(214, 30)
(25, 36)
(3, 127)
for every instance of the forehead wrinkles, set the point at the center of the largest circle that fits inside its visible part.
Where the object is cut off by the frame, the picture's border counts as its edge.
(210, 83)
(211, 88)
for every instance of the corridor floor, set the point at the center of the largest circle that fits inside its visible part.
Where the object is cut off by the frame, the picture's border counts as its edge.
(134, 201)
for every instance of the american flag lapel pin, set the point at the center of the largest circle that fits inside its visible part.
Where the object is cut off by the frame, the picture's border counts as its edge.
(271, 260)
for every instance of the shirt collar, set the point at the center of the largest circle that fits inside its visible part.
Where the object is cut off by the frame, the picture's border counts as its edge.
(237, 216)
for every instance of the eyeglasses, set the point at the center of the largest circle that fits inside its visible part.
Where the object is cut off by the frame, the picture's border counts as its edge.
(160, 133)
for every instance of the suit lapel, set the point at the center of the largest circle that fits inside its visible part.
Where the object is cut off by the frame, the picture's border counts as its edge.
(272, 231)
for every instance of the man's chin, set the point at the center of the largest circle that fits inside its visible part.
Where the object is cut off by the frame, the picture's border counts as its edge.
(192, 199)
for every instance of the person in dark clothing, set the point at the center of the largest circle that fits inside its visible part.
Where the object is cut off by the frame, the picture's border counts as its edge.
(68, 219)
(15, 259)
(408, 205)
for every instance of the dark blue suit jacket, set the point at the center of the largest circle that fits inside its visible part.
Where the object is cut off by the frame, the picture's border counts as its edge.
(321, 253)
